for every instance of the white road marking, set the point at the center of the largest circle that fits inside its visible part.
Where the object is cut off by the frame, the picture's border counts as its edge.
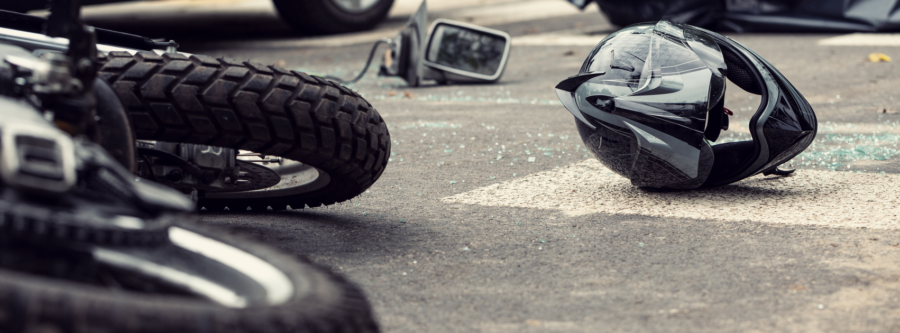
(862, 39)
(810, 197)
(556, 39)
(832, 128)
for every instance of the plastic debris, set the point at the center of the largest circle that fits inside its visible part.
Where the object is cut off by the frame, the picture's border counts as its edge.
(640, 244)
(879, 57)
(542, 240)
(531, 159)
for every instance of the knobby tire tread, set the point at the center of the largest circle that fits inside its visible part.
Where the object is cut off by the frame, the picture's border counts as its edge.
(265, 109)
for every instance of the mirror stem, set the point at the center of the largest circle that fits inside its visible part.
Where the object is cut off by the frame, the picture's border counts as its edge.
(366, 68)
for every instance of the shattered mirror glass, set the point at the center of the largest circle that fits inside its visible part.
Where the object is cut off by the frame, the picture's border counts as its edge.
(467, 50)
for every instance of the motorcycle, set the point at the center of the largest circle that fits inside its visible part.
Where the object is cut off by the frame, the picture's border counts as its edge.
(88, 246)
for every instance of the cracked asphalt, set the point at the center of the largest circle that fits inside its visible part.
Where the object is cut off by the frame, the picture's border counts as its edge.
(434, 254)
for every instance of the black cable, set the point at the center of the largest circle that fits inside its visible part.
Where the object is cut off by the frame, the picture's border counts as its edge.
(363, 72)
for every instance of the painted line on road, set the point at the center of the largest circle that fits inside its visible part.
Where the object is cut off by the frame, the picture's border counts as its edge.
(862, 39)
(846, 128)
(810, 197)
(555, 39)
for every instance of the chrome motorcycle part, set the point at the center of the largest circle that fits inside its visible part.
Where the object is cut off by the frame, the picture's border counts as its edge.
(295, 178)
(46, 76)
(209, 169)
(34, 157)
(56, 187)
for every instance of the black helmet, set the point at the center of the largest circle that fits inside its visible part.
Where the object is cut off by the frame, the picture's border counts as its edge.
(650, 97)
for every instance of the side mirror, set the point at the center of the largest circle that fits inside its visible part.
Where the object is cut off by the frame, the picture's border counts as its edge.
(461, 52)
(452, 52)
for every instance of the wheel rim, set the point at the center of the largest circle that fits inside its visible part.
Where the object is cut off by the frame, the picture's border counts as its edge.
(296, 178)
(355, 6)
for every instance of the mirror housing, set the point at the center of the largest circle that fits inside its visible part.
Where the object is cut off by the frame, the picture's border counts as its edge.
(445, 59)
(415, 56)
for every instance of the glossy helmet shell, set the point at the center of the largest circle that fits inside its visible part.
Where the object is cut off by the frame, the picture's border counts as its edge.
(649, 100)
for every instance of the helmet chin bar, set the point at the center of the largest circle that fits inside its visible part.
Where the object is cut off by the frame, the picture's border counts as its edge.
(796, 120)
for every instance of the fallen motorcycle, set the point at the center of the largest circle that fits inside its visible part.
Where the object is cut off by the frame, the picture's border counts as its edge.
(88, 247)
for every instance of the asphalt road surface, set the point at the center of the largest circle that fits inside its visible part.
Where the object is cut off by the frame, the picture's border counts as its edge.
(492, 217)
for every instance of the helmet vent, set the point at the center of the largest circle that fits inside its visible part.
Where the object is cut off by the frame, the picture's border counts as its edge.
(604, 103)
(739, 74)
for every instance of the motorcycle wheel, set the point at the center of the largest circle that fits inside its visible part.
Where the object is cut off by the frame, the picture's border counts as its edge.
(340, 141)
(199, 281)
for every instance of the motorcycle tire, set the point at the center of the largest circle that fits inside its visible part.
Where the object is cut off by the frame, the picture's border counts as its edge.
(48, 289)
(327, 17)
(263, 109)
